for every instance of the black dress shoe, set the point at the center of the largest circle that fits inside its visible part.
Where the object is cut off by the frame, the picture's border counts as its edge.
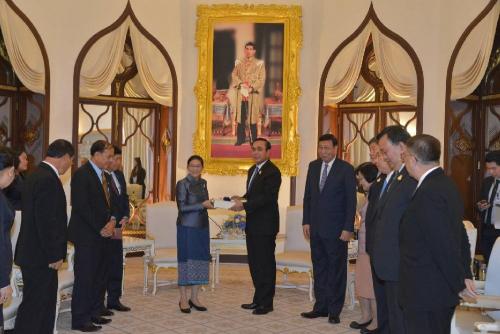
(100, 320)
(333, 319)
(196, 307)
(313, 314)
(262, 310)
(106, 313)
(251, 306)
(368, 331)
(119, 307)
(357, 325)
(184, 310)
(90, 327)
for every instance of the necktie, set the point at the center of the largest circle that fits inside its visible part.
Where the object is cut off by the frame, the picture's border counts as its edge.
(491, 201)
(387, 184)
(324, 175)
(113, 184)
(105, 186)
(255, 171)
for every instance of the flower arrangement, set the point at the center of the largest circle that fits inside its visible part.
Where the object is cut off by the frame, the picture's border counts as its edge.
(233, 227)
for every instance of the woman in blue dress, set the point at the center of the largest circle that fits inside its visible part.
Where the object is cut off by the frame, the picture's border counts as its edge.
(7, 174)
(193, 237)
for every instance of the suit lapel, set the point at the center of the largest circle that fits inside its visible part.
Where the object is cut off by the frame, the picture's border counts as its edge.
(250, 173)
(331, 172)
(393, 189)
(434, 173)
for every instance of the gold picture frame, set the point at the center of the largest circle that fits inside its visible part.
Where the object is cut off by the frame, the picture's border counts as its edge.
(286, 18)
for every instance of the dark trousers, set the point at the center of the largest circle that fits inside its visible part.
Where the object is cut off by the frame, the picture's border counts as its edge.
(428, 321)
(395, 312)
(329, 259)
(382, 311)
(489, 235)
(241, 128)
(115, 275)
(37, 311)
(262, 263)
(90, 280)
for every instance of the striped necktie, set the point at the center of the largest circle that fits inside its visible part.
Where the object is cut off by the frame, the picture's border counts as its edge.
(105, 187)
(324, 175)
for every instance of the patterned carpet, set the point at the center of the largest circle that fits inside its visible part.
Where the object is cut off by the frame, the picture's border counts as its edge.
(160, 313)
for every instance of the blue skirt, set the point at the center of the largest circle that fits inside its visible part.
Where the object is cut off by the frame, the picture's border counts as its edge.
(193, 255)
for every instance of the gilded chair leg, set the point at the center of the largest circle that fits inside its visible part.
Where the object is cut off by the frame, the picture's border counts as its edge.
(155, 280)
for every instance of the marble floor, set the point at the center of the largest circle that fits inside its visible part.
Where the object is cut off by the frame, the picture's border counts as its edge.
(160, 313)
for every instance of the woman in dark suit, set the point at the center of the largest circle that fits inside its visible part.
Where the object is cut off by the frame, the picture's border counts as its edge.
(138, 175)
(193, 237)
(7, 174)
(14, 190)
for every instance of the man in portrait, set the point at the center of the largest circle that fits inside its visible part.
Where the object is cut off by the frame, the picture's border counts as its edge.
(247, 92)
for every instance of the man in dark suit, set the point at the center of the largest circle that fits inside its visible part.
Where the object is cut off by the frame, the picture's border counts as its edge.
(328, 221)
(435, 251)
(90, 226)
(373, 197)
(262, 217)
(121, 211)
(489, 204)
(42, 241)
(384, 250)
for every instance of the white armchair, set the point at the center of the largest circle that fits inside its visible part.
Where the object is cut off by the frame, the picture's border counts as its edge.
(477, 317)
(11, 306)
(297, 255)
(161, 226)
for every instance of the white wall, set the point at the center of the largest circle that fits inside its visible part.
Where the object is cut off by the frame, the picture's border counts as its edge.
(431, 27)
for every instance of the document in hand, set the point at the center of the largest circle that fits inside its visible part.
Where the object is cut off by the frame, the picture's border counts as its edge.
(221, 204)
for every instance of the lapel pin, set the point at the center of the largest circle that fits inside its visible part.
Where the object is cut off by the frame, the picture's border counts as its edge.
(400, 177)
(378, 179)
(260, 172)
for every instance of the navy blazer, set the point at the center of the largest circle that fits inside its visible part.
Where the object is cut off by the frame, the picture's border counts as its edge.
(6, 221)
(43, 235)
(89, 211)
(119, 201)
(261, 206)
(373, 197)
(14, 192)
(390, 209)
(332, 210)
(435, 250)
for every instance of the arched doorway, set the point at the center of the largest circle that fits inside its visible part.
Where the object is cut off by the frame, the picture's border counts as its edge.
(24, 112)
(362, 100)
(127, 114)
(472, 106)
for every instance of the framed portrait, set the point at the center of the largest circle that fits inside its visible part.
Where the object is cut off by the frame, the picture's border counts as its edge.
(248, 85)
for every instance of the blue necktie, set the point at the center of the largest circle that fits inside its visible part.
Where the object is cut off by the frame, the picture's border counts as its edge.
(256, 170)
(386, 184)
(324, 175)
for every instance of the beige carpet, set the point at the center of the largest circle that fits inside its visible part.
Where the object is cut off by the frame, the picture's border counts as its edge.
(160, 313)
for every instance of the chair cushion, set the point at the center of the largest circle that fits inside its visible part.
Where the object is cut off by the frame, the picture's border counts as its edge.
(10, 307)
(165, 255)
(294, 258)
(65, 279)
